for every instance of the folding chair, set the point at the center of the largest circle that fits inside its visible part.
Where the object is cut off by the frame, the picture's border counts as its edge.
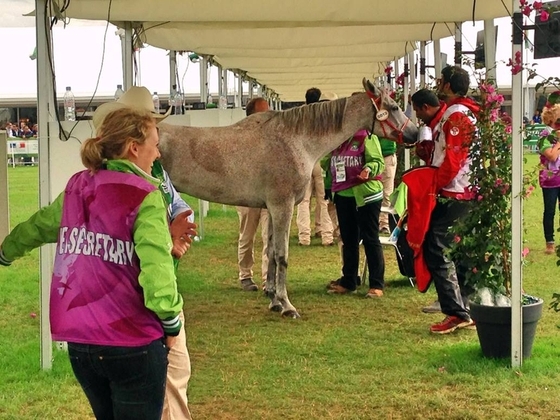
(385, 241)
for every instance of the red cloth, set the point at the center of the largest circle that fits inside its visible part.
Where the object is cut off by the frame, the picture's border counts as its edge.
(421, 200)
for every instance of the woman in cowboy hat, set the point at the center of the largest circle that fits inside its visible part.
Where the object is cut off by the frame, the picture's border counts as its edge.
(114, 295)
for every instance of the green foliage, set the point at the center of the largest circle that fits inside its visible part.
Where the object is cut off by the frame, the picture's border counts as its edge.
(483, 238)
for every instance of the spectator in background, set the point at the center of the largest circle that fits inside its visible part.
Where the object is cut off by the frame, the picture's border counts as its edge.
(389, 151)
(249, 219)
(537, 117)
(312, 95)
(323, 224)
(26, 132)
(549, 175)
(10, 130)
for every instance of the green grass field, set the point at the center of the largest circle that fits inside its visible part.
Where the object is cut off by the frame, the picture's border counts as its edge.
(346, 358)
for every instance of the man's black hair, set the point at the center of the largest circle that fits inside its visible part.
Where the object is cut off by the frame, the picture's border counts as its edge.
(312, 95)
(425, 97)
(457, 78)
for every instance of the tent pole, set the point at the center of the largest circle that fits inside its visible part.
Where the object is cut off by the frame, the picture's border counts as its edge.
(490, 49)
(516, 191)
(45, 103)
(127, 52)
(172, 73)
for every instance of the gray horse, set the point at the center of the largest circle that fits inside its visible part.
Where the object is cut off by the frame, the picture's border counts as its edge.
(266, 160)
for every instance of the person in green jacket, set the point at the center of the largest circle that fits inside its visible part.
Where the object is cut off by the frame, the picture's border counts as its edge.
(355, 169)
(114, 295)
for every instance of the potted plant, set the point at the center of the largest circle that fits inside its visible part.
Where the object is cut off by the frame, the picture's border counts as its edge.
(483, 238)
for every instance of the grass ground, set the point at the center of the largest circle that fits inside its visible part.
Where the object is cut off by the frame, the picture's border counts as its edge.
(346, 358)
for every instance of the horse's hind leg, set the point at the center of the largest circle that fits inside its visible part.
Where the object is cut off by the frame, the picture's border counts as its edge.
(281, 219)
(270, 286)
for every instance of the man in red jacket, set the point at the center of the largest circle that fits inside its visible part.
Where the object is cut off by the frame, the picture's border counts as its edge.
(453, 131)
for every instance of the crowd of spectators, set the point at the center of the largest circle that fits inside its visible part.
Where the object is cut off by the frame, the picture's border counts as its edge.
(24, 130)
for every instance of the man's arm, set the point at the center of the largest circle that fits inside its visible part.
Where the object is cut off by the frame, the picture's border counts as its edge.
(182, 226)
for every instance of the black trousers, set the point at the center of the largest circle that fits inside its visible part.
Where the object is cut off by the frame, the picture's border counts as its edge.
(550, 200)
(448, 276)
(360, 223)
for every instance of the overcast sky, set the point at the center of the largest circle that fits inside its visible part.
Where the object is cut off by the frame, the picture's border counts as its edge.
(79, 52)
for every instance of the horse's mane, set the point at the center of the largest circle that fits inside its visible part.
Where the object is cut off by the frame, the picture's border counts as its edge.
(320, 118)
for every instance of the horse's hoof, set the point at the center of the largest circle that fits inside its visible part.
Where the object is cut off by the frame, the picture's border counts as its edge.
(290, 313)
(276, 308)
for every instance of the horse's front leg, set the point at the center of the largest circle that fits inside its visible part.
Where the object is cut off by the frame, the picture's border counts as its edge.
(281, 219)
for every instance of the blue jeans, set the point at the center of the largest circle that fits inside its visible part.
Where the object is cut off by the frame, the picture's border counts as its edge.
(122, 382)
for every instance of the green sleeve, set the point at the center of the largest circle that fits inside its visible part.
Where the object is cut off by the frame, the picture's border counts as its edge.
(544, 143)
(325, 163)
(41, 228)
(373, 156)
(152, 242)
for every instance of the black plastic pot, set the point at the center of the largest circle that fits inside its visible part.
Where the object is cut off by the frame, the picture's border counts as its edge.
(493, 326)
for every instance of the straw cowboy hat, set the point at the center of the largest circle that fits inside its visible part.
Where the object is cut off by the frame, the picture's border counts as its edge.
(328, 96)
(137, 97)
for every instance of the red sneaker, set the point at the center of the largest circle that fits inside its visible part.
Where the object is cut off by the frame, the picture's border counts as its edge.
(450, 324)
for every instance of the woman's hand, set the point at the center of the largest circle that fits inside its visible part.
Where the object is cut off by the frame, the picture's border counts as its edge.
(364, 175)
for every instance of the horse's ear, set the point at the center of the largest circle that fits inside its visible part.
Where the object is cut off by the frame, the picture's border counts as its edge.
(369, 87)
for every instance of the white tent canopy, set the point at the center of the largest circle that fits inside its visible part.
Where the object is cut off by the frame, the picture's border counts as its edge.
(292, 45)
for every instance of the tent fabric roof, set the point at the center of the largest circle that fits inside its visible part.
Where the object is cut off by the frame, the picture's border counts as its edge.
(292, 45)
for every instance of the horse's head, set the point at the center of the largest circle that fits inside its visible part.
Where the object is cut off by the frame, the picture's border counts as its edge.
(389, 120)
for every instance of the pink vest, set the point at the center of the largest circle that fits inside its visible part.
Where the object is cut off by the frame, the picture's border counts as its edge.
(95, 295)
(351, 154)
(549, 177)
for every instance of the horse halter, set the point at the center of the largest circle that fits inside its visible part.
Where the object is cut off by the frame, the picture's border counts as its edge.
(382, 115)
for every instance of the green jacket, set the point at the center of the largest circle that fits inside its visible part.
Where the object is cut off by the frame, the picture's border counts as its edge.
(388, 147)
(368, 191)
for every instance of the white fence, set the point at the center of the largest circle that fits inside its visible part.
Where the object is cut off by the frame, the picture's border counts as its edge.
(17, 146)
(19, 150)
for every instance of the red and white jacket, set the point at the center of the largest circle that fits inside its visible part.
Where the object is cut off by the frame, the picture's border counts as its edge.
(453, 134)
